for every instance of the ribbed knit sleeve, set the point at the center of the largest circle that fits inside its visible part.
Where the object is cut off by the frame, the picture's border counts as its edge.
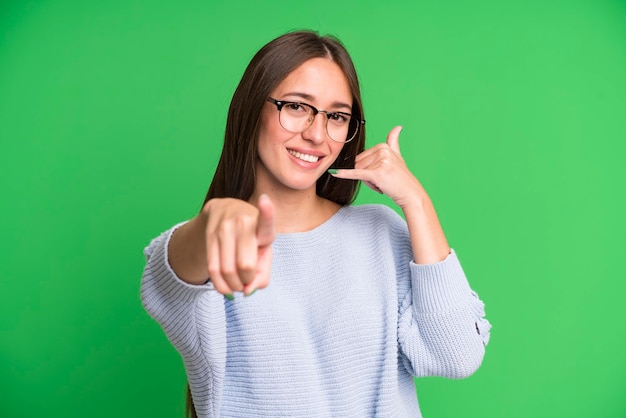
(442, 330)
(193, 320)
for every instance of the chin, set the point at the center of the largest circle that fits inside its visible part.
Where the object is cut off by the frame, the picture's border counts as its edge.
(300, 185)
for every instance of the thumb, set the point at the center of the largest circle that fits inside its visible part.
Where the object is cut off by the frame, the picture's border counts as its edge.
(393, 139)
(265, 230)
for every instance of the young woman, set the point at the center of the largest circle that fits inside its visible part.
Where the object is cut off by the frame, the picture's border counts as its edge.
(352, 301)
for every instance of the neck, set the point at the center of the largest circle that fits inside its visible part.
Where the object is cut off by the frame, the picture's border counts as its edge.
(298, 211)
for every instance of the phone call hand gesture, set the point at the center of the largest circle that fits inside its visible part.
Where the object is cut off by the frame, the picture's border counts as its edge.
(383, 169)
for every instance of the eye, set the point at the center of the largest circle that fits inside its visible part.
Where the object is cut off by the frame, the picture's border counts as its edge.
(294, 107)
(338, 118)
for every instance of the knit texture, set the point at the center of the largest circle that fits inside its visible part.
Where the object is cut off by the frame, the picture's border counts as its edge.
(346, 322)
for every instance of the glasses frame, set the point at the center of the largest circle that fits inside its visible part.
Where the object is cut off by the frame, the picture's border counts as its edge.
(281, 103)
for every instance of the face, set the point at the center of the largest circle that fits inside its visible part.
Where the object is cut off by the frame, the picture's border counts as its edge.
(294, 161)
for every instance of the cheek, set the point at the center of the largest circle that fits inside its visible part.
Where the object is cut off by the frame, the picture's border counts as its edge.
(271, 130)
(266, 135)
(269, 144)
(336, 148)
(270, 122)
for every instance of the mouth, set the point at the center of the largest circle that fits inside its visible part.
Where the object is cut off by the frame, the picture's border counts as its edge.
(304, 157)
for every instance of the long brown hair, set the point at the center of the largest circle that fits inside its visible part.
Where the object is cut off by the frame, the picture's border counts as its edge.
(235, 174)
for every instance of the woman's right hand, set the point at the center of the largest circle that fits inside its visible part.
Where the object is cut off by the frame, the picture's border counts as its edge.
(230, 241)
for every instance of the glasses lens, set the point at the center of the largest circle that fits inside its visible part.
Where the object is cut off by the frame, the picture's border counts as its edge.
(342, 127)
(295, 117)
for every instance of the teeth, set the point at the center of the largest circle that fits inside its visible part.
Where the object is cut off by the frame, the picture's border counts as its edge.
(304, 157)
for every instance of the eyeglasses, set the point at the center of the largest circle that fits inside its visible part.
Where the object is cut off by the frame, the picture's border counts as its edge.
(297, 117)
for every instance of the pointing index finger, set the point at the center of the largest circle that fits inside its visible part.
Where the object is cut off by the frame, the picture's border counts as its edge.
(265, 226)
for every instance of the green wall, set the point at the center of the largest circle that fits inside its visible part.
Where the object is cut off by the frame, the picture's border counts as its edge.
(111, 118)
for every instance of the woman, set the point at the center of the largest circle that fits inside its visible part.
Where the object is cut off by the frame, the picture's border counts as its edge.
(355, 301)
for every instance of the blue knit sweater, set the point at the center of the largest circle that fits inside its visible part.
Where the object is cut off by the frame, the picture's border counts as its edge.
(347, 321)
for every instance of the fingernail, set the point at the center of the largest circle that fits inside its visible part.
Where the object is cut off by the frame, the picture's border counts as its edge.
(229, 296)
(251, 293)
(332, 171)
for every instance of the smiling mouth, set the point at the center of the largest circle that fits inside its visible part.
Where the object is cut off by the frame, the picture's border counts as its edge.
(304, 157)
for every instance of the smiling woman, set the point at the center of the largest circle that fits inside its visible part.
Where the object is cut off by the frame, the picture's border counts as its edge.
(355, 300)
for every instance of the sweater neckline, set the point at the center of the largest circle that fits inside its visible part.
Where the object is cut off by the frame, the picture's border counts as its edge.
(327, 225)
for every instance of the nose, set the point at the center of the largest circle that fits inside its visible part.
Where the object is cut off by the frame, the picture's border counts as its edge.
(316, 132)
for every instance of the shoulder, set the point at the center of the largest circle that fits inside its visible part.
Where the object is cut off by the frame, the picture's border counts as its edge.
(377, 226)
(373, 212)
(373, 216)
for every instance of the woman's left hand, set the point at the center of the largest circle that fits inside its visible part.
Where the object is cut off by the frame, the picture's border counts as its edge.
(383, 169)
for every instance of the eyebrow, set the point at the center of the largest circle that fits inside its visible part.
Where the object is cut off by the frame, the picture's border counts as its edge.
(310, 98)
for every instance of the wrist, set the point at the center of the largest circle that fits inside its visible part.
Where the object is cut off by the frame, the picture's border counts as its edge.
(416, 203)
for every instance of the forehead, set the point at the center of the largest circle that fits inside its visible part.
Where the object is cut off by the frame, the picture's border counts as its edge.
(320, 78)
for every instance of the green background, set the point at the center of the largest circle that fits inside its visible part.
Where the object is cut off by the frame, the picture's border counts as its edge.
(111, 119)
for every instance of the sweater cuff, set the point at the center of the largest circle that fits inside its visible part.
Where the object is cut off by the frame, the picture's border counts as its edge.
(163, 274)
(440, 286)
